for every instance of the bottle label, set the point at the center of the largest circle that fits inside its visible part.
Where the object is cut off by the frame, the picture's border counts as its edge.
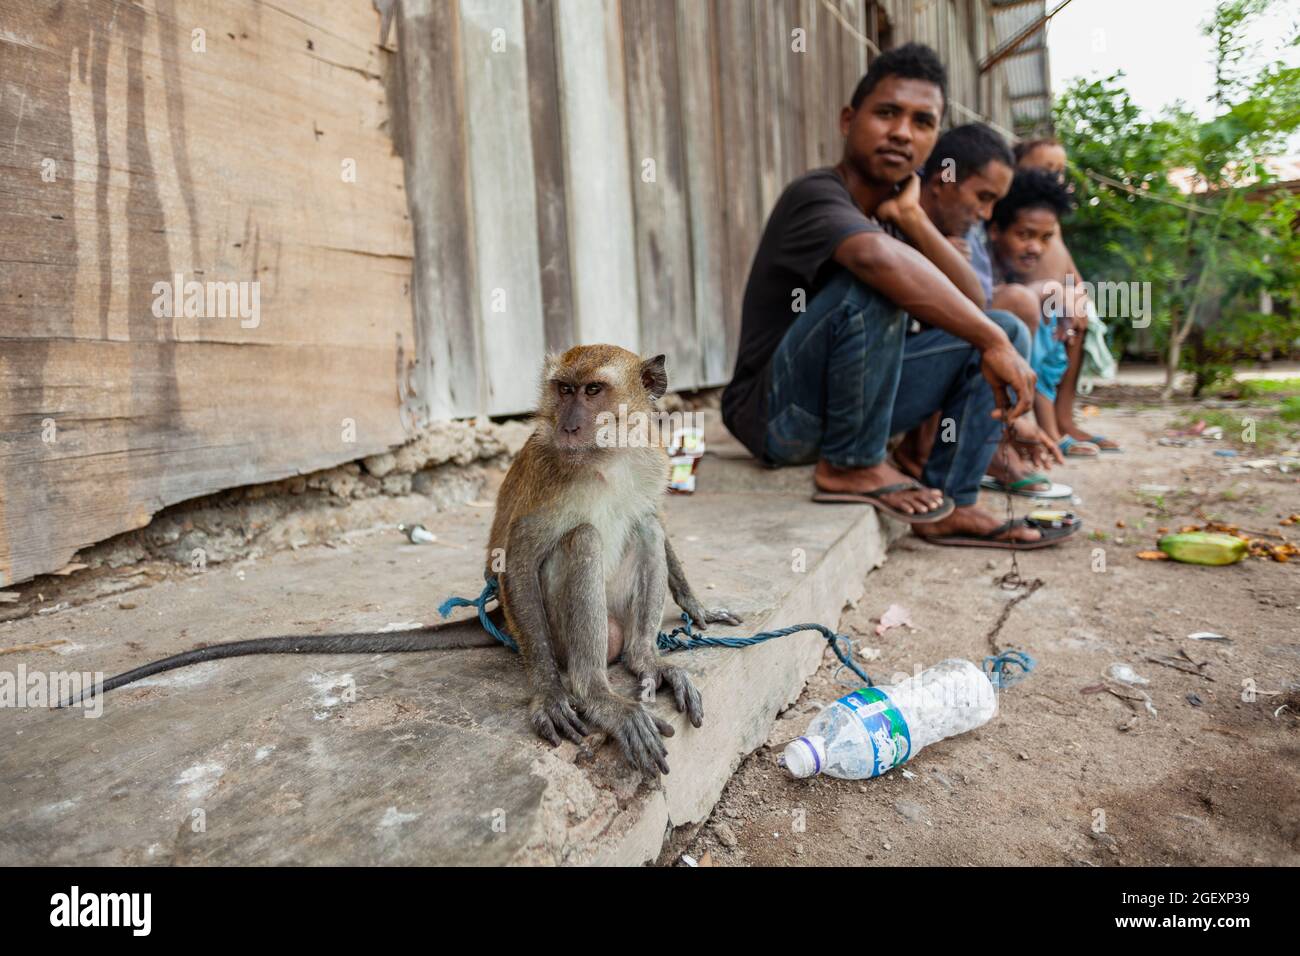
(891, 741)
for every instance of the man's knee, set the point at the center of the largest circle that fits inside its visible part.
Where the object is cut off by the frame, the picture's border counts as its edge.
(1020, 302)
(1015, 329)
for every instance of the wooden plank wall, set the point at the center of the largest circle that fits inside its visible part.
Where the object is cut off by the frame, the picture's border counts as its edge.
(130, 152)
(659, 136)
(529, 176)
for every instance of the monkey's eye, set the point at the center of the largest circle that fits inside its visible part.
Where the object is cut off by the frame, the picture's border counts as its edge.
(593, 388)
(565, 389)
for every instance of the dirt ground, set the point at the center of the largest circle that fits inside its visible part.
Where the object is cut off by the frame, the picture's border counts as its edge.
(1060, 776)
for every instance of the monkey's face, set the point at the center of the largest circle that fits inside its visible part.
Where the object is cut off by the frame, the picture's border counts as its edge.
(591, 391)
(583, 412)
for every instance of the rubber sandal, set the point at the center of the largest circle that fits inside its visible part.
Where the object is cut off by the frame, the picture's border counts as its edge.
(1022, 489)
(1068, 444)
(946, 507)
(1052, 533)
(1098, 439)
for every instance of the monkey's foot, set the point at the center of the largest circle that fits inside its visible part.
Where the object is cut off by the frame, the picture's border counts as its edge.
(702, 617)
(636, 730)
(555, 710)
(685, 695)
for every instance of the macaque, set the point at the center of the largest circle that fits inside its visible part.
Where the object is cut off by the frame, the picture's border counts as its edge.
(587, 564)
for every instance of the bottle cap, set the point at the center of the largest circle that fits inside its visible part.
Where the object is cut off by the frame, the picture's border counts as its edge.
(804, 756)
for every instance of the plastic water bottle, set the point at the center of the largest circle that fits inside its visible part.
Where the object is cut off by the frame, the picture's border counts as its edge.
(875, 729)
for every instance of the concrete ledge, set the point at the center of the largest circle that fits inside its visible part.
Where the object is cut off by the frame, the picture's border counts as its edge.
(404, 759)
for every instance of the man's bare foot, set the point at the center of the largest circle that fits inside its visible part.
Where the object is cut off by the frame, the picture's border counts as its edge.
(858, 480)
(972, 519)
(1078, 434)
(1008, 467)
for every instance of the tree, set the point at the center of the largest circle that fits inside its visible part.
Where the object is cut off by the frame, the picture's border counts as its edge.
(1207, 254)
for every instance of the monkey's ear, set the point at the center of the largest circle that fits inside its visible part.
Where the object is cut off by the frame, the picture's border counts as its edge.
(653, 376)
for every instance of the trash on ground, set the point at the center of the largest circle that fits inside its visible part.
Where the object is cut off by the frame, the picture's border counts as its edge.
(684, 454)
(1153, 556)
(895, 616)
(417, 533)
(1125, 674)
(873, 730)
(1182, 663)
(1208, 636)
(1200, 547)
(1225, 453)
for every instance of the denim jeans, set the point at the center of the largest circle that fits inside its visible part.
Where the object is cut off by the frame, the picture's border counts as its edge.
(846, 376)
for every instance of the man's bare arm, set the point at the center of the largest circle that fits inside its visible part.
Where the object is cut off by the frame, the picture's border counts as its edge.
(905, 211)
(910, 280)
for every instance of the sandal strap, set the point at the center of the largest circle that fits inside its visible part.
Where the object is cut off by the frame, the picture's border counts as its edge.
(894, 489)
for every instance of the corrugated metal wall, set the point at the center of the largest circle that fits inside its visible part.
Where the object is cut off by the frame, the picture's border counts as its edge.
(600, 170)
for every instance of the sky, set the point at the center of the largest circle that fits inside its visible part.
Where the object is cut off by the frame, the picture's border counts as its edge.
(1158, 44)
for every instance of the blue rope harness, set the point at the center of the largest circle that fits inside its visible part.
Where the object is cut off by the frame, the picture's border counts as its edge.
(684, 638)
(679, 639)
(999, 670)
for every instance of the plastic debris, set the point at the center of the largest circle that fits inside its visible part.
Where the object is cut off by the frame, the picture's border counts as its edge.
(895, 616)
(417, 533)
(1126, 675)
(1208, 636)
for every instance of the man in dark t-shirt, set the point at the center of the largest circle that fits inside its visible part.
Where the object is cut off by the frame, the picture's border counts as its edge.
(820, 371)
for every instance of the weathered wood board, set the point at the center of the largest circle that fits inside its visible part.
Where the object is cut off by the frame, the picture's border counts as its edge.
(134, 149)
(421, 216)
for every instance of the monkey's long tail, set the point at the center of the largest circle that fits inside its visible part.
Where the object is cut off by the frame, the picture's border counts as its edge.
(433, 638)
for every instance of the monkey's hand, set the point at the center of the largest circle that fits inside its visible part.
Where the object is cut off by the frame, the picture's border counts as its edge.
(635, 729)
(685, 695)
(552, 711)
(702, 617)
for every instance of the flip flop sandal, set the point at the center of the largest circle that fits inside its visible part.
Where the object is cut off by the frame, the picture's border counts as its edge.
(946, 507)
(1022, 488)
(1069, 444)
(1052, 531)
(1098, 439)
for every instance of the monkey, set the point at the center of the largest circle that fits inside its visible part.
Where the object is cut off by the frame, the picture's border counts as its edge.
(587, 565)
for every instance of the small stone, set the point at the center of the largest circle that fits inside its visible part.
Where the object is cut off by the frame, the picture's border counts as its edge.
(127, 605)
(886, 846)
(726, 835)
(798, 849)
(1022, 755)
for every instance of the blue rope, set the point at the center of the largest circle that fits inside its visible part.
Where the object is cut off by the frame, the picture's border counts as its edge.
(671, 641)
(999, 670)
(489, 594)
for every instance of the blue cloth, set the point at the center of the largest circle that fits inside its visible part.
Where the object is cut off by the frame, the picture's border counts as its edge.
(845, 377)
(1049, 359)
(980, 260)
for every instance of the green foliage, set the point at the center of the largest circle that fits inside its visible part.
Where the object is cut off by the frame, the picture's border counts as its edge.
(1209, 264)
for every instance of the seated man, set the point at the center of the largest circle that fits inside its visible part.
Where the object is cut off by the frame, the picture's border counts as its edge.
(969, 170)
(1057, 265)
(1023, 223)
(821, 346)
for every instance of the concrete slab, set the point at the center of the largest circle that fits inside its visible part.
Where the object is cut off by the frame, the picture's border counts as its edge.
(402, 759)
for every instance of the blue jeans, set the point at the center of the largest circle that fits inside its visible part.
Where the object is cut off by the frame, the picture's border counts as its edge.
(846, 376)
